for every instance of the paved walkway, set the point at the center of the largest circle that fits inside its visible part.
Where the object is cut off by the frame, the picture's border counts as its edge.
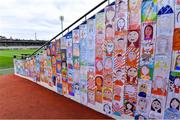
(22, 99)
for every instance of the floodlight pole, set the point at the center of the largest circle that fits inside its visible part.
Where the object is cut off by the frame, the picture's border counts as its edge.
(62, 20)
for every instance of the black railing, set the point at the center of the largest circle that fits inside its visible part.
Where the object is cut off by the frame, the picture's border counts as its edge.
(84, 16)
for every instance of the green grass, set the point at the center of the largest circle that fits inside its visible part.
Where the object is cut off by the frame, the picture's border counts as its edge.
(6, 57)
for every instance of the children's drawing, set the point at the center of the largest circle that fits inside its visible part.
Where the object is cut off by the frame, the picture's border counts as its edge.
(99, 67)
(76, 51)
(173, 110)
(142, 104)
(149, 10)
(108, 65)
(107, 108)
(147, 53)
(157, 107)
(53, 48)
(63, 42)
(91, 96)
(135, 14)
(177, 63)
(133, 39)
(109, 48)
(107, 94)
(129, 109)
(110, 14)
(109, 32)
(145, 73)
(108, 80)
(132, 76)
(176, 43)
(75, 36)
(58, 45)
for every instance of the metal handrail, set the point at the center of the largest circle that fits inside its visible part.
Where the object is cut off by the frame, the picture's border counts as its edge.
(84, 16)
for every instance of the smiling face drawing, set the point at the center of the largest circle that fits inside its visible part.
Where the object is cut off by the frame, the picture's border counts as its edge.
(133, 37)
(132, 72)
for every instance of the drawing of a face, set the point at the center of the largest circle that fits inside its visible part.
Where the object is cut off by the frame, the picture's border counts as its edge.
(58, 44)
(156, 106)
(99, 81)
(177, 61)
(133, 36)
(109, 31)
(108, 63)
(132, 56)
(110, 13)
(175, 103)
(148, 32)
(143, 88)
(99, 65)
(148, 47)
(98, 51)
(107, 108)
(110, 47)
(108, 80)
(145, 70)
(107, 94)
(120, 24)
(91, 96)
(76, 86)
(53, 60)
(120, 74)
(177, 82)
(132, 72)
(142, 104)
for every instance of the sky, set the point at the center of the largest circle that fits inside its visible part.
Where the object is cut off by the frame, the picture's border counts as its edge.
(23, 18)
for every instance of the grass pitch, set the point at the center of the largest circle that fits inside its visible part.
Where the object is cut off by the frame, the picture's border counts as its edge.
(6, 57)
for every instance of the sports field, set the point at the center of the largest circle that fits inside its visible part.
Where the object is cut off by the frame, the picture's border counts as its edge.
(6, 57)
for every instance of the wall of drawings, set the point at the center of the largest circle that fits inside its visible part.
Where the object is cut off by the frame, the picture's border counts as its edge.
(123, 62)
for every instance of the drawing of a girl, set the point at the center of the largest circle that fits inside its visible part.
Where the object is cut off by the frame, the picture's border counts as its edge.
(131, 76)
(156, 106)
(120, 24)
(110, 15)
(177, 64)
(172, 112)
(148, 32)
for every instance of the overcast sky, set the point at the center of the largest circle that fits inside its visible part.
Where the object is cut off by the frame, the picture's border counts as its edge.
(22, 18)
